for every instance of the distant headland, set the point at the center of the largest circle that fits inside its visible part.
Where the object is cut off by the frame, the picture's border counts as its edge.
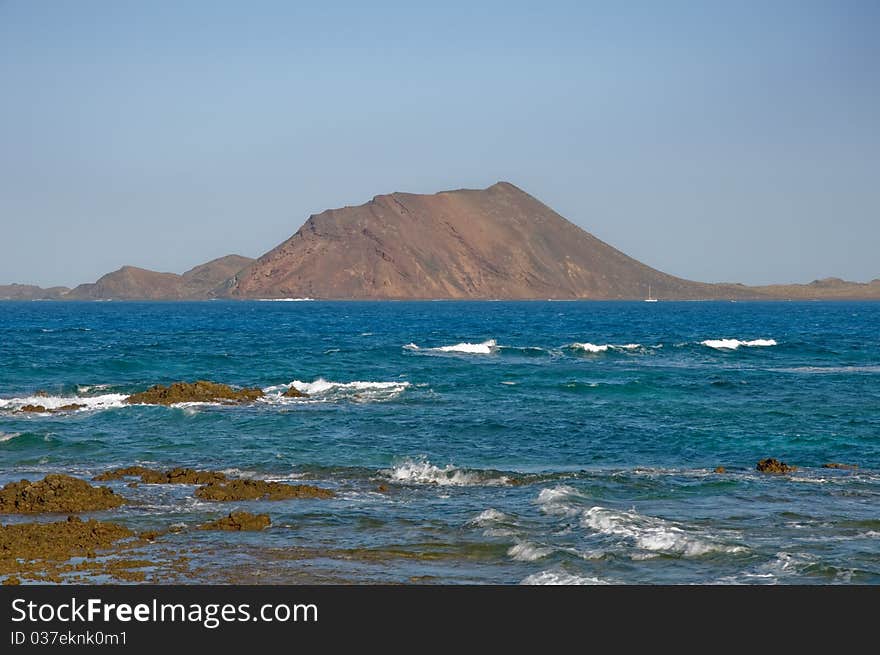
(494, 243)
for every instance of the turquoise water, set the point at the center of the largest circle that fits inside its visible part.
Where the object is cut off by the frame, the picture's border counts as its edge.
(518, 456)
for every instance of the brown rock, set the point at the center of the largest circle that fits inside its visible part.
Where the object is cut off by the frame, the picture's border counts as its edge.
(259, 490)
(153, 476)
(720, 469)
(57, 541)
(188, 392)
(68, 408)
(33, 408)
(56, 493)
(45, 410)
(771, 465)
(237, 521)
(118, 474)
(382, 488)
(838, 465)
(293, 392)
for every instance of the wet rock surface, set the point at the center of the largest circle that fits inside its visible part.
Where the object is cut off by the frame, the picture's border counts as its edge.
(191, 392)
(155, 476)
(40, 409)
(58, 541)
(772, 465)
(56, 493)
(838, 465)
(259, 490)
(293, 392)
(239, 521)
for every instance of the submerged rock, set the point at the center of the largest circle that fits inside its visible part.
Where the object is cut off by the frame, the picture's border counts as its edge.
(293, 392)
(40, 409)
(56, 493)
(771, 465)
(154, 476)
(259, 490)
(33, 408)
(838, 465)
(201, 391)
(720, 469)
(237, 521)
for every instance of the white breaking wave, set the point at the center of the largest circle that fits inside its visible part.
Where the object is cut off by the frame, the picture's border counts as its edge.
(651, 534)
(285, 299)
(85, 388)
(733, 344)
(484, 348)
(526, 551)
(560, 578)
(488, 517)
(423, 472)
(8, 436)
(558, 500)
(106, 401)
(324, 390)
(593, 348)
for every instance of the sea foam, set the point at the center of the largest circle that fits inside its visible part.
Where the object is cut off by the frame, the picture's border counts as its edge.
(483, 348)
(733, 344)
(423, 472)
(652, 534)
(526, 551)
(89, 403)
(594, 348)
(560, 578)
(325, 390)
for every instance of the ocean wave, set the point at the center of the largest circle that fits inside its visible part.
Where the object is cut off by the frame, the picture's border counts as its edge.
(652, 534)
(488, 517)
(559, 500)
(733, 344)
(560, 578)
(423, 472)
(322, 390)
(526, 551)
(483, 348)
(86, 388)
(88, 403)
(595, 349)
(285, 299)
(819, 370)
(8, 436)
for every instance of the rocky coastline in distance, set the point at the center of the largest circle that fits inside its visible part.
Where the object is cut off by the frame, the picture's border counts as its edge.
(498, 243)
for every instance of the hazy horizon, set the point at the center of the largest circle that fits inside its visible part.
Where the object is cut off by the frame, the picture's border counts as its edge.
(723, 143)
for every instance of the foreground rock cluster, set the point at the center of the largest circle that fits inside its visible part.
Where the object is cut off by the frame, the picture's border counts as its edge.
(56, 493)
(42, 551)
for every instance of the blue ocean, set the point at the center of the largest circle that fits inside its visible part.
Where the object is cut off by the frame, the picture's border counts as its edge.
(473, 442)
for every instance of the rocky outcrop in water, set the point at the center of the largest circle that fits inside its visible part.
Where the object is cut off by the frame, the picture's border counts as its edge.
(153, 476)
(239, 521)
(56, 493)
(771, 465)
(838, 465)
(201, 391)
(259, 490)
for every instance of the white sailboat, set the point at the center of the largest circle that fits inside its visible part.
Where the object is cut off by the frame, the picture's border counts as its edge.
(649, 298)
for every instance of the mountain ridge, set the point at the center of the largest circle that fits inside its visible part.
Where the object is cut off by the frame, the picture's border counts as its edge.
(493, 243)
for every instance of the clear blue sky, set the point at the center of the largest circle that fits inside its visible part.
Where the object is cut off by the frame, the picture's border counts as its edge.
(735, 141)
